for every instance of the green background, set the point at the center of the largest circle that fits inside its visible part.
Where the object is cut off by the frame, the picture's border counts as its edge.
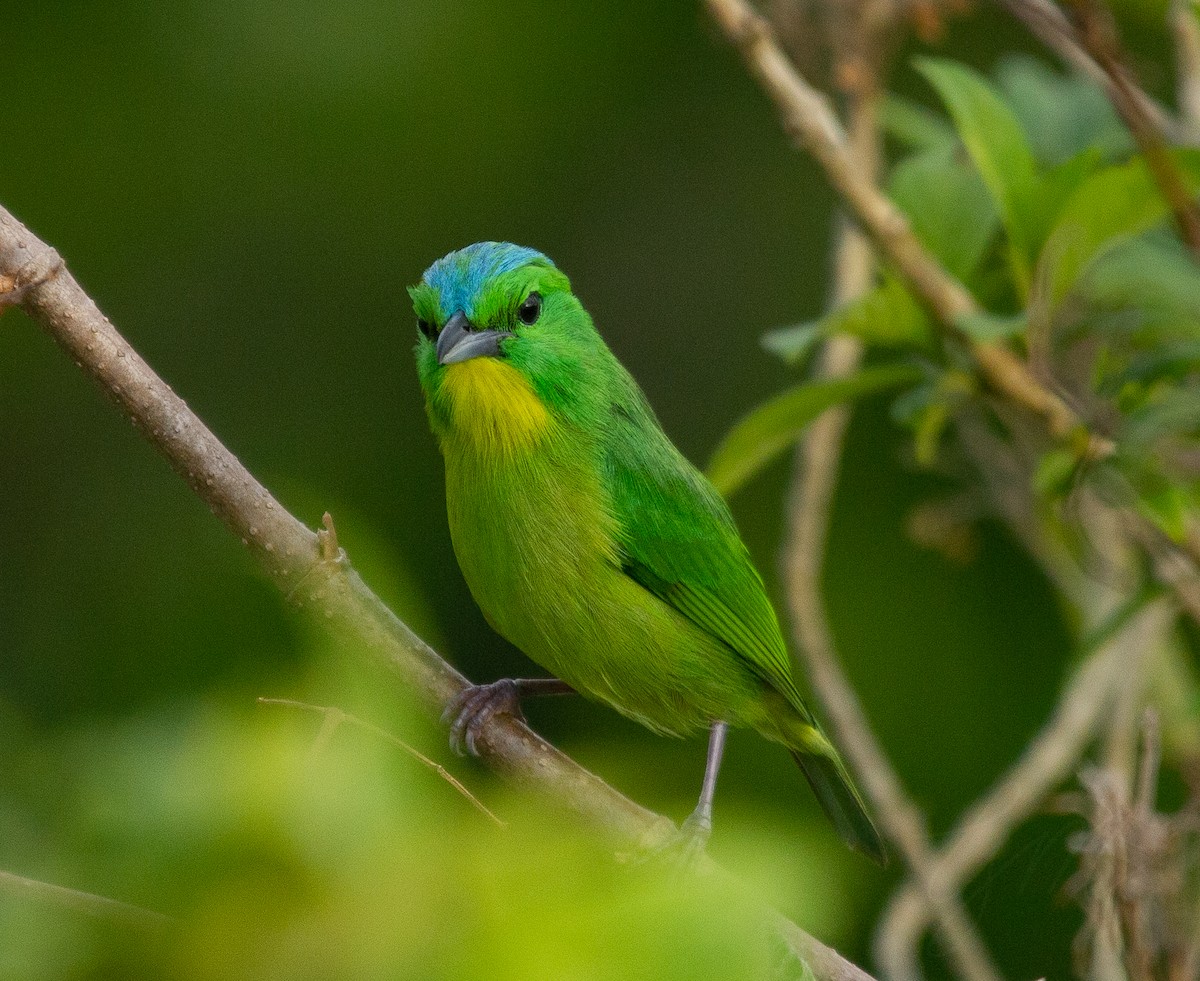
(246, 189)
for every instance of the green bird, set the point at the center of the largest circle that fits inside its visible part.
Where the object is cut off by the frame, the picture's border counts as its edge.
(587, 538)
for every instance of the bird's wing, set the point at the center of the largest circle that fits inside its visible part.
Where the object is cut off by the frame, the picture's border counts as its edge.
(679, 542)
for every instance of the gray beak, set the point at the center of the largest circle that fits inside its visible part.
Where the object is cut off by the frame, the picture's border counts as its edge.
(460, 341)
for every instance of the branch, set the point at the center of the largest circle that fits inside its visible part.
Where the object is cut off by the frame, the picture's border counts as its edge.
(817, 461)
(811, 122)
(1048, 760)
(809, 119)
(1050, 25)
(1185, 30)
(322, 579)
(99, 907)
(1097, 33)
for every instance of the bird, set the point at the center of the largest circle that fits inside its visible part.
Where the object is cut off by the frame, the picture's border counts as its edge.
(587, 538)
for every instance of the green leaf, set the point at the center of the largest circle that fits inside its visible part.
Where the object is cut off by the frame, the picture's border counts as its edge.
(1154, 275)
(1063, 114)
(887, 316)
(927, 433)
(1055, 472)
(1109, 207)
(795, 343)
(771, 428)
(1175, 414)
(996, 142)
(985, 326)
(1169, 361)
(948, 207)
(913, 125)
(1169, 507)
(1052, 191)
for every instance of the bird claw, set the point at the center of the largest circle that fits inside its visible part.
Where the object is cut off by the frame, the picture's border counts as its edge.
(472, 709)
(682, 854)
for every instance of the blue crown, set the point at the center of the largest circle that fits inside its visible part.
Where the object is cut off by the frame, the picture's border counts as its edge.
(460, 276)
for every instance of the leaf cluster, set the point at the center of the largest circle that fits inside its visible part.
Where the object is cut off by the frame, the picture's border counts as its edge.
(1028, 189)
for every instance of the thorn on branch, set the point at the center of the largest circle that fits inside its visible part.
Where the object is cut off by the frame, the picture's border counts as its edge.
(328, 541)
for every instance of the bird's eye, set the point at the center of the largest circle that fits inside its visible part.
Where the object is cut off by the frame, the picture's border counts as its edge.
(425, 327)
(530, 309)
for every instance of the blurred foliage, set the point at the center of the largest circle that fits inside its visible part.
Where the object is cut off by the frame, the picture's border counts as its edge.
(246, 188)
(281, 858)
(1062, 234)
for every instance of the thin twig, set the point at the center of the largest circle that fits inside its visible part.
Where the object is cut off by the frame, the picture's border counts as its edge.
(100, 907)
(1147, 778)
(1185, 30)
(1050, 25)
(818, 458)
(810, 120)
(1047, 761)
(290, 554)
(332, 719)
(1097, 32)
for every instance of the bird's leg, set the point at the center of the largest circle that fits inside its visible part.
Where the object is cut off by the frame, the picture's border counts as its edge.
(698, 825)
(469, 711)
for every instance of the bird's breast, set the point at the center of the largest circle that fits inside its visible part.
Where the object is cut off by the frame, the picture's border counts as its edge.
(493, 409)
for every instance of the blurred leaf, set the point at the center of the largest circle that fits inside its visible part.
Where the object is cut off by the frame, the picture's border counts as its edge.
(886, 316)
(1062, 114)
(1153, 274)
(768, 430)
(997, 144)
(1169, 507)
(927, 434)
(1176, 413)
(795, 343)
(912, 124)
(907, 407)
(1169, 361)
(986, 326)
(1111, 205)
(948, 206)
(1052, 191)
(1055, 472)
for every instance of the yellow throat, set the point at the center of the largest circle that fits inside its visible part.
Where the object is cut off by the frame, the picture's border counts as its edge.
(493, 407)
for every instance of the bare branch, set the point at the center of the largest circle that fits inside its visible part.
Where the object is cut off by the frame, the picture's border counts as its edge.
(99, 907)
(291, 555)
(1047, 761)
(1185, 30)
(817, 461)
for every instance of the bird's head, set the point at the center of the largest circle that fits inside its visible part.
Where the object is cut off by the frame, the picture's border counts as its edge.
(503, 345)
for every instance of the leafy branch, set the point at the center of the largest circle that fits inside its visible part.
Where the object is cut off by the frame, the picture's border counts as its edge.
(1034, 441)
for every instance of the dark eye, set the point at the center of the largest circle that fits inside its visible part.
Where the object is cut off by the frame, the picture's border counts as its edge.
(425, 327)
(531, 309)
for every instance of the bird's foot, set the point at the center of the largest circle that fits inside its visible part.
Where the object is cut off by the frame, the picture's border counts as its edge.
(682, 854)
(473, 707)
(693, 840)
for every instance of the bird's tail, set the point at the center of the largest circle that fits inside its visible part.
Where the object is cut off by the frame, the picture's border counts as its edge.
(837, 795)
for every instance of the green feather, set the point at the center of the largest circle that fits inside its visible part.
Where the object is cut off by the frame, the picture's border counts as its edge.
(588, 540)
